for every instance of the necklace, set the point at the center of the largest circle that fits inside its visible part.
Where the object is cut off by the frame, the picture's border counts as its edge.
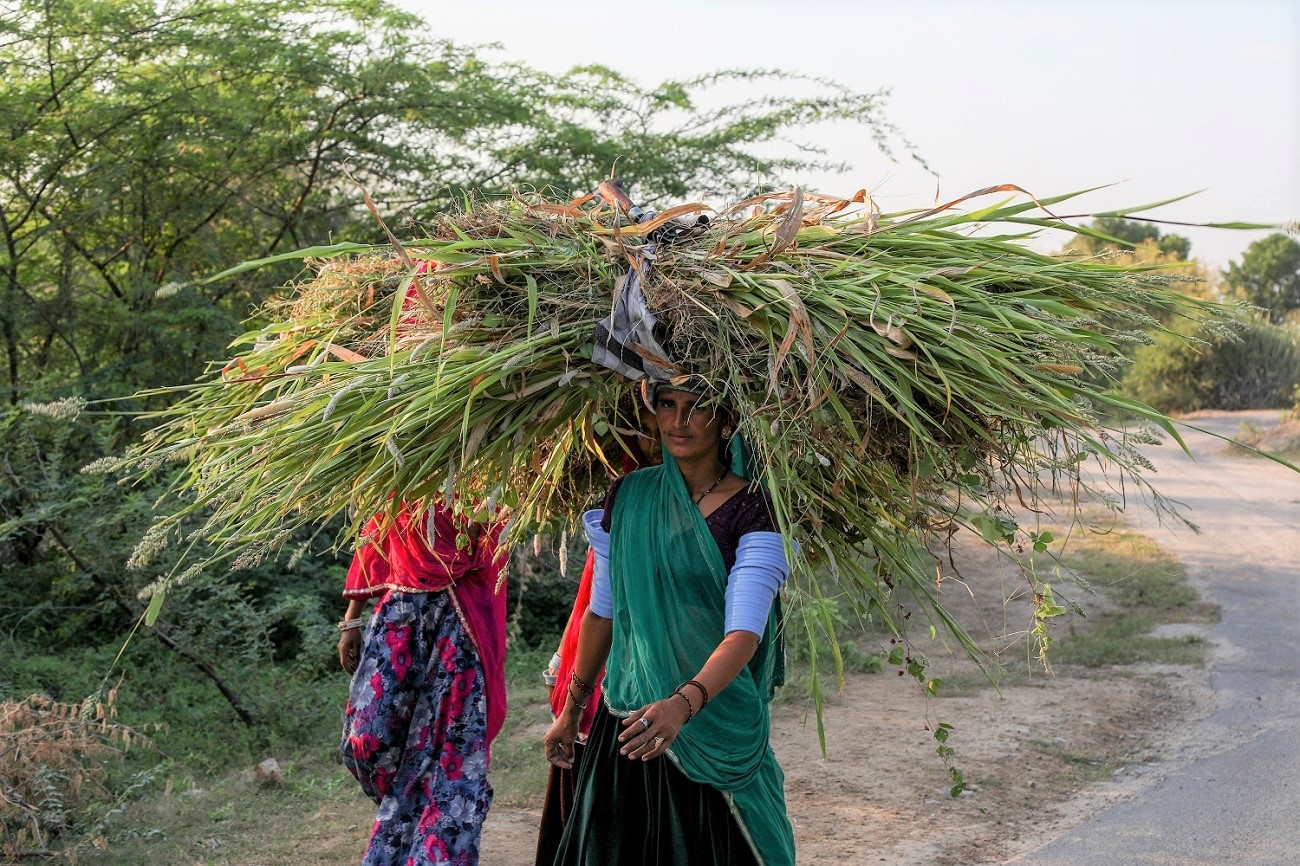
(712, 486)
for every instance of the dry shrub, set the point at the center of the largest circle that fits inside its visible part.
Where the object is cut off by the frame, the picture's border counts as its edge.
(1283, 438)
(54, 761)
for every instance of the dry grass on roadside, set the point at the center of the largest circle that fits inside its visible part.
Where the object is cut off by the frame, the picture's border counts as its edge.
(1282, 439)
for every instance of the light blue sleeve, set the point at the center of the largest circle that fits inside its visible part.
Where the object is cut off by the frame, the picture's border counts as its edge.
(602, 601)
(760, 571)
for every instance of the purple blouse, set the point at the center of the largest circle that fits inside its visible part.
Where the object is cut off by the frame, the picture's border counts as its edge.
(747, 510)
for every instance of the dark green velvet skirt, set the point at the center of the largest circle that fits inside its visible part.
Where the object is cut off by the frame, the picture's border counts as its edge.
(645, 812)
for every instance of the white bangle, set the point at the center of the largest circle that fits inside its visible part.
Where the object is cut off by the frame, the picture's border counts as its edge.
(349, 624)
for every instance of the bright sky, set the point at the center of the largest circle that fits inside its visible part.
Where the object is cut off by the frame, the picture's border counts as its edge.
(1161, 97)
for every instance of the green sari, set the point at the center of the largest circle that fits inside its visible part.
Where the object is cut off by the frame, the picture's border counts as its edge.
(668, 584)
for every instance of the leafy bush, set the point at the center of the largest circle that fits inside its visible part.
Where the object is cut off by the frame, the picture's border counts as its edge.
(1256, 368)
(540, 594)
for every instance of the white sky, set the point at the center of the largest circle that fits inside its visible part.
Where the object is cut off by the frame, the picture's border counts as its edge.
(1162, 97)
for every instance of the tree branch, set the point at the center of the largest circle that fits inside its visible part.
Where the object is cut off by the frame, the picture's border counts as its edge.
(159, 629)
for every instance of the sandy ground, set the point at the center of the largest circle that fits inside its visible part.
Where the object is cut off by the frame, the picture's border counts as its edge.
(1039, 756)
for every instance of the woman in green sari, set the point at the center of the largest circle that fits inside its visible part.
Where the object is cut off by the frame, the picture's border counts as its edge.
(684, 620)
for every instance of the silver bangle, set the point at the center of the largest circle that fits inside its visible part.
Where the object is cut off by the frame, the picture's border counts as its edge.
(349, 624)
(551, 674)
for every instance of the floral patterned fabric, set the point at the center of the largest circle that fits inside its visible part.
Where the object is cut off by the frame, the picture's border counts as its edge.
(415, 736)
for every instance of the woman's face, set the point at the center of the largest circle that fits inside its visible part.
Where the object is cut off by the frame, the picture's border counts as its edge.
(689, 433)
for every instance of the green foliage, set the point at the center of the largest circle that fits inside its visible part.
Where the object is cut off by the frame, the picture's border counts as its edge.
(1257, 367)
(802, 648)
(510, 414)
(74, 537)
(519, 767)
(63, 535)
(941, 733)
(188, 721)
(68, 601)
(1268, 276)
(539, 595)
(144, 146)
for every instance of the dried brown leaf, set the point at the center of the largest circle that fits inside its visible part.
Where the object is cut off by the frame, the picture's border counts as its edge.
(800, 327)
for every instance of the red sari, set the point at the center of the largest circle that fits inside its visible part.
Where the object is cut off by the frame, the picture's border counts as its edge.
(400, 558)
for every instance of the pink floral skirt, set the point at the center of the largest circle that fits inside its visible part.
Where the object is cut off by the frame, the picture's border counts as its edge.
(415, 735)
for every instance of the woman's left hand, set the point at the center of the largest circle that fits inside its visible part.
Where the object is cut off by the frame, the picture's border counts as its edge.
(560, 737)
(649, 731)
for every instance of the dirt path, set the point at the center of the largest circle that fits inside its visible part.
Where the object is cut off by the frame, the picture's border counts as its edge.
(881, 795)
(1039, 757)
(1029, 755)
(1233, 793)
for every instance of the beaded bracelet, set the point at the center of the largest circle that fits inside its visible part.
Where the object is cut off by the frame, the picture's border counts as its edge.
(576, 680)
(700, 686)
(690, 706)
(577, 703)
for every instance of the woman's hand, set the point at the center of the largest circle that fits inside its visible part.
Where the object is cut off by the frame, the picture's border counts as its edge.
(350, 650)
(649, 731)
(560, 737)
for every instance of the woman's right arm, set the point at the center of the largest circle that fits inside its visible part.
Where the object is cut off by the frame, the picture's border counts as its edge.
(593, 649)
(366, 575)
(350, 640)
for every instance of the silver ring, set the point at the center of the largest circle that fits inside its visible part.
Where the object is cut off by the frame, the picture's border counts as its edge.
(645, 723)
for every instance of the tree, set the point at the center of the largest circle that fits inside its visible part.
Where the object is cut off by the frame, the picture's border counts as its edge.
(144, 143)
(1268, 276)
(147, 143)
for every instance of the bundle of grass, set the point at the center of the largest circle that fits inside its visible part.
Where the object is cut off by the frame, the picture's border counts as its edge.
(892, 376)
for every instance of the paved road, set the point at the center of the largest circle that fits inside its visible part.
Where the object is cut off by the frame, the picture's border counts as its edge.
(1237, 801)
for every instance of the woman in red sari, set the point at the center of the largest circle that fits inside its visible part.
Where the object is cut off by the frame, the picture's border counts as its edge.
(642, 450)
